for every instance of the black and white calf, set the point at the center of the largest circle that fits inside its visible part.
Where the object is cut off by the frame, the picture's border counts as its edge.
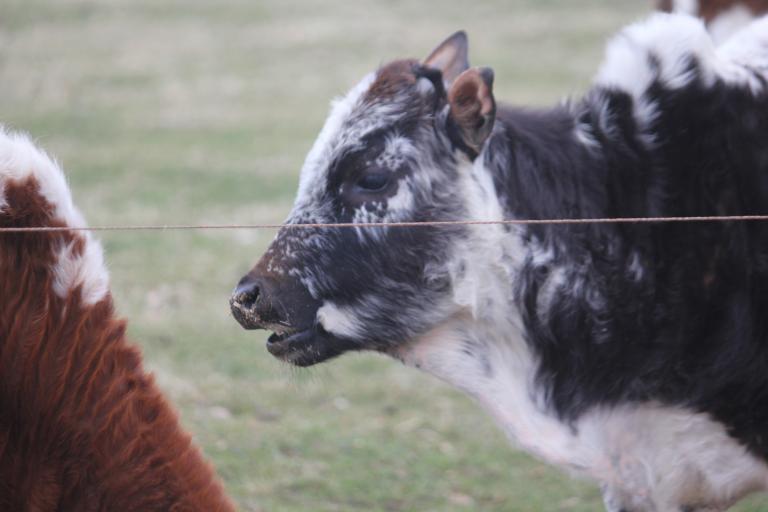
(635, 354)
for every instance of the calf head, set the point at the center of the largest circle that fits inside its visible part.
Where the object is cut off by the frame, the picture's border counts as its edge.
(397, 147)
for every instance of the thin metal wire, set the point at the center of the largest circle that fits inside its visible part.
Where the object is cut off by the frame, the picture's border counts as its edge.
(343, 225)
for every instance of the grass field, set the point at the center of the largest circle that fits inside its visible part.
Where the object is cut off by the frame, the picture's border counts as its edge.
(185, 111)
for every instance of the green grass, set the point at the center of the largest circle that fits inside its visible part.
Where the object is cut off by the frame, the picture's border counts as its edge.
(192, 111)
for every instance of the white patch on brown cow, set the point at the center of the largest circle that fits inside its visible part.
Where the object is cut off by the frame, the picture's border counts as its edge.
(21, 160)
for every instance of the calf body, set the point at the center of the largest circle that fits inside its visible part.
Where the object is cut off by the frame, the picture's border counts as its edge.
(635, 354)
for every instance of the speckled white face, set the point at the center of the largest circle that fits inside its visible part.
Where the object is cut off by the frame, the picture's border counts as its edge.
(382, 156)
(375, 135)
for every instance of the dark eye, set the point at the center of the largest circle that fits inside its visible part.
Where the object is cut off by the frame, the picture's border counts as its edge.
(373, 182)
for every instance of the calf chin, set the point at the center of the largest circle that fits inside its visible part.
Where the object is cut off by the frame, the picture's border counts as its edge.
(308, 347)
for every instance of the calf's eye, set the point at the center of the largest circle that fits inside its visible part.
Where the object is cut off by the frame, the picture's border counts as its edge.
(373, 182)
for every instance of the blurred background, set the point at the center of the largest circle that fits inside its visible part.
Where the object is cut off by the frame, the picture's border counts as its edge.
(185, 111)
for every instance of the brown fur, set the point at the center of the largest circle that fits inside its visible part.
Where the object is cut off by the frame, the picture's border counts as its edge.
(392, 78)
(711, 9)
(473, 108)
(82, 426)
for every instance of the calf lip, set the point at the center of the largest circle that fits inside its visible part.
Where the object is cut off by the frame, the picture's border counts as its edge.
(304, 347)
(245, 318)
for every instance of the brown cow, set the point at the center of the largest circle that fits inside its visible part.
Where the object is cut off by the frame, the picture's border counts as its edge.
(723, 17)
(82, 425)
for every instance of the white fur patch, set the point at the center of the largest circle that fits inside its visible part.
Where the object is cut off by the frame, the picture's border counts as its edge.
(338, 320)
(492, 254)
(351, 118)
(650, 456)
(661, 48)
(315, 167)
(20, 159)
(397, 150)
(729, 22)
(86, 270)
(669, 39)
(425, 86)
(725, 24)
(664, 457)
(403, 200)
(500, 378)
(745, 54)
(583, 133)
(686, 6)
(635, 268)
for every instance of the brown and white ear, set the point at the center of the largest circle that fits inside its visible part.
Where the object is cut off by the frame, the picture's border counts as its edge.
(472, 108)
(450, 57)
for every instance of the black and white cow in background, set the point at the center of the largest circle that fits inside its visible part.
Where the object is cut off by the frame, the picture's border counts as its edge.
(635, 354)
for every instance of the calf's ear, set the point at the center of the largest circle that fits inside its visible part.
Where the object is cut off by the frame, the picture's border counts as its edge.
(472, 109)
(450, 57)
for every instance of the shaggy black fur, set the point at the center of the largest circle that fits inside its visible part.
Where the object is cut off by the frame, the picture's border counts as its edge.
(676, 312)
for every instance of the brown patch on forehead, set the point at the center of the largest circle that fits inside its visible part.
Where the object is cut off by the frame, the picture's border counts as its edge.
(392, 78)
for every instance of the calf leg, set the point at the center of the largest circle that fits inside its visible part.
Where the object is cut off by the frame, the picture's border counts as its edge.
(618, 500)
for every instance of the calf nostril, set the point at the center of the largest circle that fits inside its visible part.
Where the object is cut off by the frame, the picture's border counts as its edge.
(249, 297)
(246, 294)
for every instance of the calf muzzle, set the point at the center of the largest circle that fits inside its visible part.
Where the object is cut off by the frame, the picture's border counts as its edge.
(283, 305)
(266, 302)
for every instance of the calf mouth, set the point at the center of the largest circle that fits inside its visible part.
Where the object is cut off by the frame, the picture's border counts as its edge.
(306, 347)
(286, 309)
